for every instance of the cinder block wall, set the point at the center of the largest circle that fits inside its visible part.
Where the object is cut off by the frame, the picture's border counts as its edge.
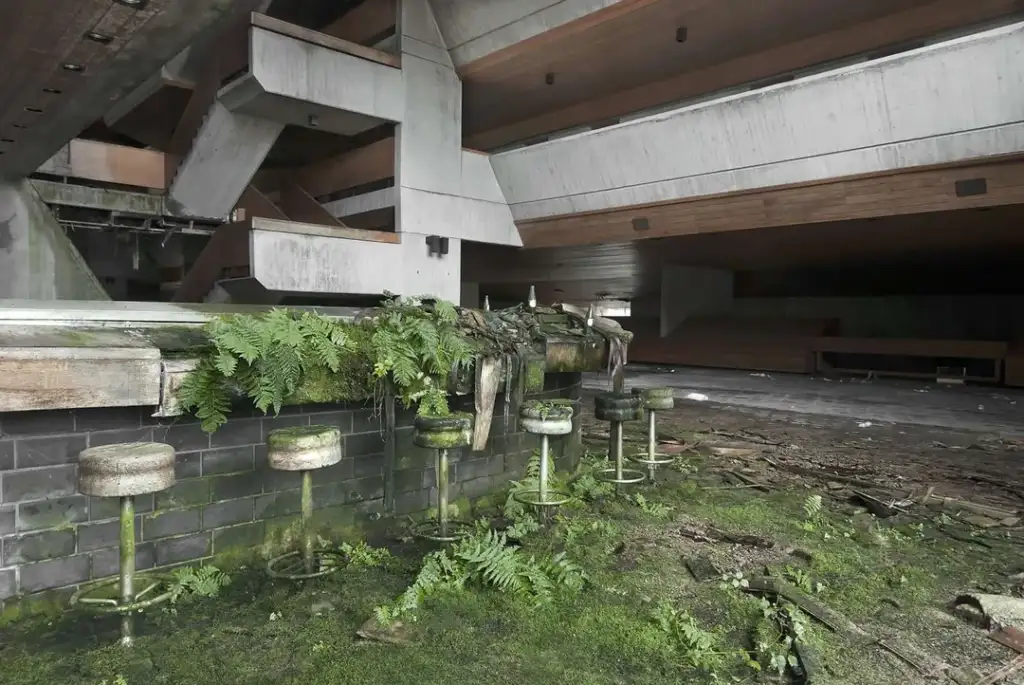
(226, 500)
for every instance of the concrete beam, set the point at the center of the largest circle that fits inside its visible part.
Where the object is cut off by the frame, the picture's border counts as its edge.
(301, 258)
(304, 78)
(104, 199)
(224, 158)
(947, 103)
(374, 201)
(477, 31)
(163, 36)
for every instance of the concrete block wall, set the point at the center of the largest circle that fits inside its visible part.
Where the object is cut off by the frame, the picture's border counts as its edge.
(226, 500)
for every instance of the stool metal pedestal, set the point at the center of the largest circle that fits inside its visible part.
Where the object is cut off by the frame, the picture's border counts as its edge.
(442, 433)
(304, 449)
(545, 419)
(124, 471)
(654, 400)
(617, 408)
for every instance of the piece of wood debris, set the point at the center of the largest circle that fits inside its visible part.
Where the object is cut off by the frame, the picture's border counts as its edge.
(701, 569)
(875, 505)
(747, 480)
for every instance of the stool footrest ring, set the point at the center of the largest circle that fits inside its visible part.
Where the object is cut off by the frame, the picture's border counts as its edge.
(659, 459)
(555, 497)
(292, 566)
(431, 530)
(157, 588)
(629, 476)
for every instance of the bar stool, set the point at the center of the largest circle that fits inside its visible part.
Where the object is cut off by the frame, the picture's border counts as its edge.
(442, 433)
(654, 400)
(617, 408)
(125, 470)
(304, 449)
(545, 418)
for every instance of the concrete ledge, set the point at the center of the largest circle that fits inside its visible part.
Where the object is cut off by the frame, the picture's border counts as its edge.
(945, 103)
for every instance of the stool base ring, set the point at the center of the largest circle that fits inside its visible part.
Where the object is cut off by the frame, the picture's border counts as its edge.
(643, 459)
(629, 476)
(291, 566)
(556, 497)
(431, 530)
(156, 589)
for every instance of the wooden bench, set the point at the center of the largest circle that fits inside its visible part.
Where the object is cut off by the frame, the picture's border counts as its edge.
(981, 359)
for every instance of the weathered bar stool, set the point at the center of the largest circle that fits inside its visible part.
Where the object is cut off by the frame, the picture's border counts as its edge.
(654, 400)
(125, 470)
(304, 449)
(442, 433)
(616, 408)
(545, 418)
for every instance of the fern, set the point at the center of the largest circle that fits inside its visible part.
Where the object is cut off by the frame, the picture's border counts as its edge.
(206, 581)
(270, 357)
(485, 560)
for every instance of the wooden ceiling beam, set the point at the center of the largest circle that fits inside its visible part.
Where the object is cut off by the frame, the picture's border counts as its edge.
(908, 192)
(368, 164)
(365, 23)
(935, 17)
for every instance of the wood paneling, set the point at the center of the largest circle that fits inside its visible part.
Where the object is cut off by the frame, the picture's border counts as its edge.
(374, 162)
(912, 192)
(366, 23)
(92, 161)
(690, 77)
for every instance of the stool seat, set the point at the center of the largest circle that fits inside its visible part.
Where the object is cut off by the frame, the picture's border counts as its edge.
(126, 469)
(546, 418)
(656, 399)
(303, 448)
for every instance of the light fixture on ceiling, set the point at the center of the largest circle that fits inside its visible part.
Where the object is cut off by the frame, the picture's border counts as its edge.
(71, 66)
(97, 37)
(134, 4)
(641, 223)
(314, 121)
(681, 34)
(549, 78)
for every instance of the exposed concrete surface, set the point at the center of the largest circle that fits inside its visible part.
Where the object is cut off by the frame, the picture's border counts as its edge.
(37, 261)
(171, 26)
(944, 103)
(849, 400)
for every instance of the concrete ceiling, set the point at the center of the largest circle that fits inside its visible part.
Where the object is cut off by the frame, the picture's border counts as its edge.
(67, 61)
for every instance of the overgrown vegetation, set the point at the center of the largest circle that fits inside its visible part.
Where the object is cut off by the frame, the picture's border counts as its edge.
(408, 344)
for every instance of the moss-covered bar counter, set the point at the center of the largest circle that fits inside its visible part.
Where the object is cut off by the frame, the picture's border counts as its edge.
(83, 375)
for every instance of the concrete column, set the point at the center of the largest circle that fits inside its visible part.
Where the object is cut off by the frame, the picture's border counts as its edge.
(37, 261)
(691, 291)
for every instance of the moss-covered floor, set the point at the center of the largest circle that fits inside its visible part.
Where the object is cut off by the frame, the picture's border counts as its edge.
(893, 581)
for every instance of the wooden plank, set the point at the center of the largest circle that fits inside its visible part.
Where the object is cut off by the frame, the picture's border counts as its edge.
(555, 38)
(368, 164)
(36, 378)
(924, 20)
(367, 23)
(108, 163)
(325, 41)
(302, 207)
(859, 197)
(325, 231)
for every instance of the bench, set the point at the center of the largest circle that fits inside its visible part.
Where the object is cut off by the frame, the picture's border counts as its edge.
(979, 360)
